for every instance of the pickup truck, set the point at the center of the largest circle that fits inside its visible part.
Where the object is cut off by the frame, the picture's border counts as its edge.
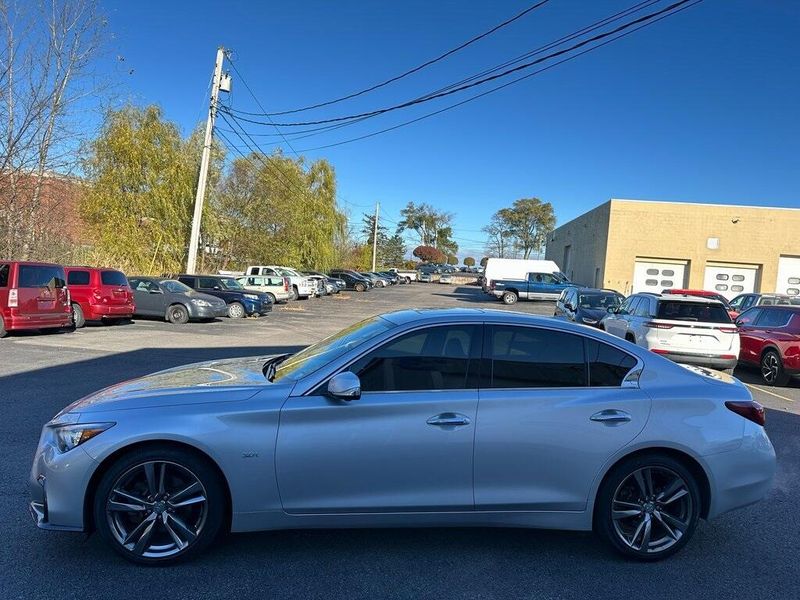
(536, 286)
(405, 276)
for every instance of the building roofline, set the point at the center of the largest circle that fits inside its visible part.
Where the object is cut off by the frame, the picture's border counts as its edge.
(690, 203)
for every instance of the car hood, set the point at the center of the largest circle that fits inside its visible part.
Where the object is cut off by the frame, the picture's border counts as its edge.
(592, 313)
(211, 381)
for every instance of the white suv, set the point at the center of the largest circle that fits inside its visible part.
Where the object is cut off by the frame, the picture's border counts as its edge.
(686, 329)
(301, 287)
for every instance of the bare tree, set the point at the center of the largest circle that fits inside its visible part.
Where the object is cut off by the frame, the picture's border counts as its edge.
(48, 85)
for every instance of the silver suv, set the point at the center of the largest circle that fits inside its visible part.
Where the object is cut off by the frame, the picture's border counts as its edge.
(686, 329)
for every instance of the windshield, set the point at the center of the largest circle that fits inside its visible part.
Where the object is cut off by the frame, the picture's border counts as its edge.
(705, 312)
(599, 301)
(317, 355)
(176, 287)
(231, 284)
(287, 272)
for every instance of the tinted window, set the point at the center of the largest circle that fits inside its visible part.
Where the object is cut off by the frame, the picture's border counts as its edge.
(4, 270)
(642, 308)
(187, 281)
(748, 301)
(633, 306)
(207, 283)
(176, 287)
(40, 276)
(525, 357)
(435, 358)
(705, 312)
(774, 318)
(113, 278)
(607, 365)
(748, 317)
(78, 278)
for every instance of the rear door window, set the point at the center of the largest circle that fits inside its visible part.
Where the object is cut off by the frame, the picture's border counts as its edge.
(527, 357)
(642, 308)
(608, 366)
(41, 276)
(113, 278)
(703, 312)
(78, 278)
(207, 283)
(774, 318)
(749, 317)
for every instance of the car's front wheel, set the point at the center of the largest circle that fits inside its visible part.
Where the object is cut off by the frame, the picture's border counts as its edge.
(648, 507)
(177, 314)
(236, 311)
(159, 505)
(772, 372)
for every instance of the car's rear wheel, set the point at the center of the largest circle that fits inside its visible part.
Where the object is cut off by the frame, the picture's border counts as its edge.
(177, 314)
(648, 507)
(3, 332)
(293, 293)
(772, 372)
(236, 311)
(359, 287)
(78, 320)
(156, 506)
(510, 298)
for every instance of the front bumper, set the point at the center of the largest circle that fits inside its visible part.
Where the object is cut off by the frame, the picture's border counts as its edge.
(208, 312)
(58, 484)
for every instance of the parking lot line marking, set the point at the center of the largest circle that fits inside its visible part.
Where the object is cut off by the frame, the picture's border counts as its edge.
(755, 387)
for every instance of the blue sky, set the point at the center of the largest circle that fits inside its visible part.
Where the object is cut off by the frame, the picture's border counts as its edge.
(699, 107)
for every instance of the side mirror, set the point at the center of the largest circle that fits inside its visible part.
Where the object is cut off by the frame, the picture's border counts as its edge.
(612, 309)
(737, 322)
(344, 386)
(216, 287)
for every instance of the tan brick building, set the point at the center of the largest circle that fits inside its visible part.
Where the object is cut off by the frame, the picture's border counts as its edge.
(636, 245)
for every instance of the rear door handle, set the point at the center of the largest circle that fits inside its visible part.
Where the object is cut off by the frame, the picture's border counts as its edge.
(611, 417)
(448, 420)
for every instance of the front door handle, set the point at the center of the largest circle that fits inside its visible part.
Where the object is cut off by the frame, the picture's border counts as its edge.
(611, 417)
(449, 420)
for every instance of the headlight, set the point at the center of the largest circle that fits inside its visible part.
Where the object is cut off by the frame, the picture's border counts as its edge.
(589, 321)
(198, 302)
(70, 436)
(250, 296)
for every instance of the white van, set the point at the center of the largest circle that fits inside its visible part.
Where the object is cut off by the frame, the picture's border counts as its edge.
(517, 268)
(301, 287)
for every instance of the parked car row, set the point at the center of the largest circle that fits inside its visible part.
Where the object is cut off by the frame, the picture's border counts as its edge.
(696, 327)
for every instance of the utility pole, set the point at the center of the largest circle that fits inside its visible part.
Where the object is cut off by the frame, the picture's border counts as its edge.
(375, 237)
(194, 240)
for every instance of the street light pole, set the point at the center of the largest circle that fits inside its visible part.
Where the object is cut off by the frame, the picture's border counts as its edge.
(375, 237)
(194, 239)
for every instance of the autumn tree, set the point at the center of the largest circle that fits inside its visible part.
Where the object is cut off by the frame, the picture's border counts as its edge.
(429, 254)
(469, 261)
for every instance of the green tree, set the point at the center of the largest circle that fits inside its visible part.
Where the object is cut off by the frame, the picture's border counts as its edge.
(452, 260)
(141, 177)
(484, 260)
(431, 225)
(528, 223)
(469, 261)
(394, 251)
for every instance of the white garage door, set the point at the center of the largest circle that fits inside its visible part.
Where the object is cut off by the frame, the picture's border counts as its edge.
(788, 276)
(651, 276)
(730, 281)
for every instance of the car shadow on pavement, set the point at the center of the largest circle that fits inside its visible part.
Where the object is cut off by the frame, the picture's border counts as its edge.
(467, 294)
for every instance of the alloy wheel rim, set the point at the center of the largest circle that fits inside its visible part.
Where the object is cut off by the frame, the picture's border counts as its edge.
(769, 368)
(236, 311)
(157, 509)
(652, 509)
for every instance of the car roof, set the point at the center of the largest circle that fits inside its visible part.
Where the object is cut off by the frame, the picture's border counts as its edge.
(591, 289)
(679, 297)
(410, 315)
(794, 307)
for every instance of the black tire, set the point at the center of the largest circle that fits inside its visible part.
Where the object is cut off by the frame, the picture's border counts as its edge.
(359, 287)
(630, 338)
(293, 293)
(78, 320)
(181, 464)
(236, 311)
(728, 371)
(772, 371)
(509, 298)
(177, 314)
(272, 299)
(3, 332)
(681, 515)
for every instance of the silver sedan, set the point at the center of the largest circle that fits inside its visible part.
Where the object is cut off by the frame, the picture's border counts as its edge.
(410, 419)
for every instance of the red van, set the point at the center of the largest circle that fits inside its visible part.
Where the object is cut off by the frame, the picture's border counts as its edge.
(33, 296)
(99, 295)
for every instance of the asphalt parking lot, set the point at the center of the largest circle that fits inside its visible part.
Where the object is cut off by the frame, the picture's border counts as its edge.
(751, 553)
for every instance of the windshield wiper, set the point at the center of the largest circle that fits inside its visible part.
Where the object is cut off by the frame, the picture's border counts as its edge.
(271, 366)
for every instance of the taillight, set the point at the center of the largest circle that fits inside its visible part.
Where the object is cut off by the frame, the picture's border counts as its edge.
(13, 298)
(659, 351)
(749, 409)
(285, 284)
(68, 299)
(729, 329)
(657, 325)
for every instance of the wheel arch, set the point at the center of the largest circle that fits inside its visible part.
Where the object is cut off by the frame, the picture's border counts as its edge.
(108, 461)
(767, 348)
(687, 460)
(177, 303)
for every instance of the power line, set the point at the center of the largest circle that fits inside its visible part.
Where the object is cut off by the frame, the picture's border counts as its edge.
(410, 71)
(499, 87)
(484, 80)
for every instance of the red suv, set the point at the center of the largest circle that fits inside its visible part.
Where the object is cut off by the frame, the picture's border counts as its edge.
(33, 296)
(770, 338)
(99, 295)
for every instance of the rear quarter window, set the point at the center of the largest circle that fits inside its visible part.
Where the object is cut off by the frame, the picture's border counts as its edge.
(78, 278)
(113, 278)
(774, 318)
(703, 312)
(41, 276)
